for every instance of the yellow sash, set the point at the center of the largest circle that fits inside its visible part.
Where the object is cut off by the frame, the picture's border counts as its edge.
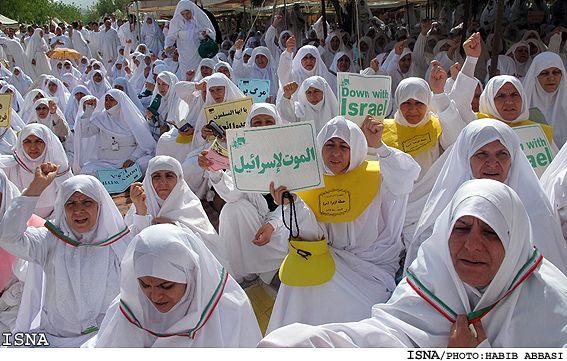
(411, 140)
(548, 130)
(345, 196)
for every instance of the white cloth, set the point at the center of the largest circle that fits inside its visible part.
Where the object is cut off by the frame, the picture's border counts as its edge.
(527, 317)
(392, 65)
(83, 147)
(16, 55)
(73, 105)
(521, 68)
(366, 251)
(29, 101)
(329, 53)
(521, 178)
(230, 323)
(169, 104)
(129, 90)
(251, 70)
(55, 122)
(61, 95)
(80, 282)
(152, 35)
(35, 50)
(554, 184)
(506, 66)
(98, 89)
(109, 42)
(333, 68)
(22, 82)
(552, 105)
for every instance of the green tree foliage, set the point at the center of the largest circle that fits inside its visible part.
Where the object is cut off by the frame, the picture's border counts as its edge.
(39, 11)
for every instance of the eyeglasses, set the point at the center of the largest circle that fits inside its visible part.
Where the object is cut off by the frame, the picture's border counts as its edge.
(39, 109)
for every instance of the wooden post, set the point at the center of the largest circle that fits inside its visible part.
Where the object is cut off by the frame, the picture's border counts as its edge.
(496, 43)
(324, 16)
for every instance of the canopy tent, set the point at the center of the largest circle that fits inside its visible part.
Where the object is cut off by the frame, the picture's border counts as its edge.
(7, 21)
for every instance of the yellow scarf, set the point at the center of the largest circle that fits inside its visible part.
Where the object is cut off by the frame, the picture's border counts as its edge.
(548, 130)
(345, 196)
(411, 140)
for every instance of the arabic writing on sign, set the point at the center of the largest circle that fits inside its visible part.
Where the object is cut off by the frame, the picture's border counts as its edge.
(229, 115)
(277, 161)
(334, 202)
(5, 109)
(259, 89)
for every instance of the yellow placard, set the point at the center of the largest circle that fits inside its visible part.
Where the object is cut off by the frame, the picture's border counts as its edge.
(5, 109)
(229, 115)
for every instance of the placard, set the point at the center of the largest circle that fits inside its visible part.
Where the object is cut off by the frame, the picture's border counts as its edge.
(6, 109)
(535, 146)
(118, 180)
(218, 155)
(285, 154)
(231, 114)
(362, 95)
(258, 89)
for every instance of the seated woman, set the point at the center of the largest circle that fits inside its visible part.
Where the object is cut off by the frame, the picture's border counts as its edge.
(226, 69)
(546, 90)
(480, 255)
(47, 113)
(54, 88)
(80, 251)
(174, 293)
(164, 197)
(400, 65)
(554, 185)
(315, 101)
(73, 104)
(122, 134)
(488, 148)
(83, 148)
(164, 106)
(124, 85)
(364, 241)
(98, 85)
(248, 221)
(36, 145)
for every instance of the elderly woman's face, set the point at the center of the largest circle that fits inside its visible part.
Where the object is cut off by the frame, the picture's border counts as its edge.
(508, 102)
(405, 63)
(34, 145)
(217, 92)
(262, 120)
(336, 155)
(162, 293)
(163, 87)
(81, 212)
(308, 62)
(163, 182)
(413, 110)
(476, 251)
(491, 161)
(522, 54)
(314, 95)
(549, 79)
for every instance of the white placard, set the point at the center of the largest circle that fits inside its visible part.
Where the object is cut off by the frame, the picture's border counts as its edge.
(362, 95)
(535, 146)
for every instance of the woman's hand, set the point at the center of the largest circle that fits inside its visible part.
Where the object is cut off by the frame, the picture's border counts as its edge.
(44, 175)
(277, 194)
(201, 86)
(399, 48)
(472, 46)
(375, 65)
(289, 89)
(462, 336)
(189, 75)
(290, 44)
(373, 129)
(187, 133)
(206, 132)
(203, 162)
(239, 44)
(52, 107)
(437, 77)
(149, 114)
(138, 197)
(128, 163)
(455, 69)
(263, 235)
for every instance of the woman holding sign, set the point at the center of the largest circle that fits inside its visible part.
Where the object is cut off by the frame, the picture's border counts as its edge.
(261, 66)
(488, 148)
(364, 240)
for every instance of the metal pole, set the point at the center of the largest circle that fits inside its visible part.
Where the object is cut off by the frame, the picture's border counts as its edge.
(496, 43)
(138, 21)
(245, 21)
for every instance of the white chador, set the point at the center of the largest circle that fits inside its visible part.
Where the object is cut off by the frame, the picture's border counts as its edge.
(181, 207)
(79, 281)
(20, 167)
(122, 134)
(529, 316)
(243, 215)
(35, 52)
(366, 250)
(554, 185)
(213, 312)
(457, 169)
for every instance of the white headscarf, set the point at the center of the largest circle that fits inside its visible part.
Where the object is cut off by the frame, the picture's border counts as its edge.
(209, 63)
(412, 88)
(22, 82)
(199, 20)
(98, 89)
(118, 73)
(61, 96)
(329, 53)
(487, 106)
(9, 191)
(213, 312)
(323, 111)
(521, 178)
(334, 67)
(299, 73)
(48, 120)
(395, 71)
(73, 104)
(552, 105)
(28, 109)
(521, 68)
(137, 80)
(263, 108)
(270, 72)
(506, 65)
(152, 34)
(83, 148)
(169, 105)
(232, 77)
(17, 101)
(129, 91)
(351, 133)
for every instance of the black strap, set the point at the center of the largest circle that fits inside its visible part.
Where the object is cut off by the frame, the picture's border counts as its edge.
(292, 220)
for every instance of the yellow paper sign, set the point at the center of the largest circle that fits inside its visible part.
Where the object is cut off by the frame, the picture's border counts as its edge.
(229, 115)
(5, 109)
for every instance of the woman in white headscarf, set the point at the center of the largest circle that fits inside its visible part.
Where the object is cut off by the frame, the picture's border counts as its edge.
(248, 220)
(188, 25)
(206, 68)
(124, 85)
(20, 80)
(98, 85)
(165, 197)
(47, 113)
(83, 147)
(164, 106)
(29, 99)
(80, 251)
(152, 35)
(57, 91)
(514, 305)
(17, 100)
(204, 307)
(546, 89)
(366, 52)
(118, 70)
(554, 185)
(400, 65)
(365, 240)
(122, 134)
(36, 145)
(260, 66)
(487, 148)
(333, 45)
(16, 55)
(35, 52)
(69, 68)
(138, 79)
(315, 101)
(226, 69)
(520, 53)
(306, 63)
(73, 104)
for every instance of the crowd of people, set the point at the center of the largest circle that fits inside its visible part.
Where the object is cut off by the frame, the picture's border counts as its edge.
(455, 243)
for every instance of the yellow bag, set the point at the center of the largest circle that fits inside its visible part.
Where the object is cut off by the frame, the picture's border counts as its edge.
(307, 263)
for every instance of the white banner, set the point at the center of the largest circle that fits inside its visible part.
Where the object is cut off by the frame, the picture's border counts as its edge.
(362, 95)
(535, 146)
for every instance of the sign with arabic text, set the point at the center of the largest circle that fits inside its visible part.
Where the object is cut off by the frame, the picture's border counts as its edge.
(536, 147)
(258, 89)
(6, 109)
(285, 154)
(362, 95)
(118, 180)
(231, 114)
